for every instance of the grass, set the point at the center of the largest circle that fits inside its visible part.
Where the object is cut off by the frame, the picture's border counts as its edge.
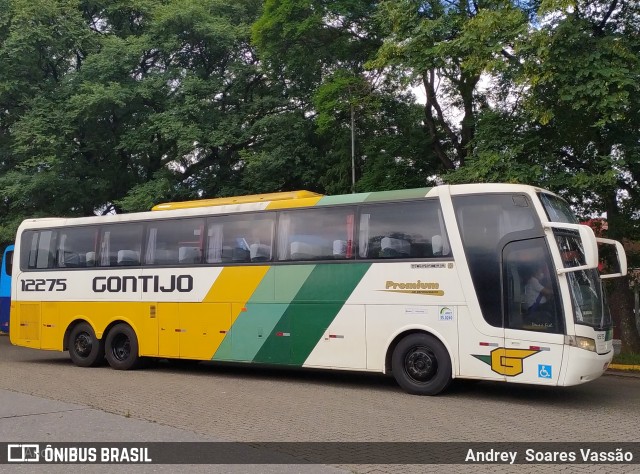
(628, 359)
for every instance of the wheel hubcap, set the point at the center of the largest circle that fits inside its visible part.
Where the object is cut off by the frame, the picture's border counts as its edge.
(420, 364)
(121, 347)
(83, 344)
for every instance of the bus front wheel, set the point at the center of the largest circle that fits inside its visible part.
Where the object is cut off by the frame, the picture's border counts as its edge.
(121, 347)
(85, 349)
(421, 365)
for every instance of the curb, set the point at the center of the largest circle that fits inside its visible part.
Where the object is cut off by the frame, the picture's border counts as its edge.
(624, 367)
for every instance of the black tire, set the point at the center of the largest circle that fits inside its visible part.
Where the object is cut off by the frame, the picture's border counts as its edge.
(421, 365)
(121, 347)
(85, 349)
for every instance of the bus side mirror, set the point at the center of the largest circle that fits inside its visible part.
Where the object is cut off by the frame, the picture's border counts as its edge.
(587, 245)
(622, 258)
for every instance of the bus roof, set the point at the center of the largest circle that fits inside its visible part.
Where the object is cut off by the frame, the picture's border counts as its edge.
(296, 198)
(268, 197)
(273, 201)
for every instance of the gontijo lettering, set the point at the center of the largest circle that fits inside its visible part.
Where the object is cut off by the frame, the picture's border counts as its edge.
(146, 283)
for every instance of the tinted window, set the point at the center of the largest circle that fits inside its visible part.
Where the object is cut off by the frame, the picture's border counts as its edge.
(76, 247)
(484, 222)
(316, 234)
(531, 288)
(9, 263)
(402, 230)
(240, 239)
(38, 249)
(174, 242)
(120, 245)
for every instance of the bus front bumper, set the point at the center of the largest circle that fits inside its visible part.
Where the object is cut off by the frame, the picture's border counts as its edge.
(584, 365)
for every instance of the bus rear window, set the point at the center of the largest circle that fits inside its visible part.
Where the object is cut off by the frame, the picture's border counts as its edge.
(41, 249)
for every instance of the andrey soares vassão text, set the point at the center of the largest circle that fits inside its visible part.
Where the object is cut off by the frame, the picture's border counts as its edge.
(533, 455)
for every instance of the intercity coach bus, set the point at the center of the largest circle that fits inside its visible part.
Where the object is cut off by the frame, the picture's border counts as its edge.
(426, 284)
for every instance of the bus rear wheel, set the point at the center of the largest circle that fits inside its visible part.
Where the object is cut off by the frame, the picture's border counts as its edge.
(421, 365)
(85, 349)
(121, 347)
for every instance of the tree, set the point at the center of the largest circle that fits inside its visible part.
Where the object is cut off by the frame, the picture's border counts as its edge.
(448, 47)
(573, 117)
(114, 106)
(318, 52)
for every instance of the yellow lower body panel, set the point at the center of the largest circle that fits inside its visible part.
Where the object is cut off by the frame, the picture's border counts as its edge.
(185, 330)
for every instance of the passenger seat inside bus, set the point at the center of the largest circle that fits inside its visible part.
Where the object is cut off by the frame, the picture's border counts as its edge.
(128, 257)
(70, 259)
(260, 252)
(394, 248)
(165, 257)
(339, 249)
(189, 255)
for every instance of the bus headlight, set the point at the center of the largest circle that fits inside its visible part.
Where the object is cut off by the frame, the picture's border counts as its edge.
(580, 342)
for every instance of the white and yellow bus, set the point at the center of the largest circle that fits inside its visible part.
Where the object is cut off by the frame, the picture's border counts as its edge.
(427, 284)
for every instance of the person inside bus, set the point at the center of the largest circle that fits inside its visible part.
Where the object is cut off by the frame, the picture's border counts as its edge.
(538, 297)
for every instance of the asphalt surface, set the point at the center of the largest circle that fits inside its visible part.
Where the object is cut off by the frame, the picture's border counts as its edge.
(28, 419)
(44, 398)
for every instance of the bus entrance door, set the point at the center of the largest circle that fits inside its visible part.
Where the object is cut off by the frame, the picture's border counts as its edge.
(534, 328)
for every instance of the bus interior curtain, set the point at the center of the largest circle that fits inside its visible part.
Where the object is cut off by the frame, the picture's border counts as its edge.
(363, 238)
(105, 258)
(284, 227)
(216, 239)
(61, 250)
(149, 257)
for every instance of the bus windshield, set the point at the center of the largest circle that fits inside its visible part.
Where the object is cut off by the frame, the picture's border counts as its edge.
(588, 299)
(557, 209)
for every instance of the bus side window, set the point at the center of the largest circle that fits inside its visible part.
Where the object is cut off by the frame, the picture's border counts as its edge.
(74, 244)
(401, 230)
(174, 242)
(121, 244)
(240, 239)
(41, 245)
(316, 234)
(9, 263)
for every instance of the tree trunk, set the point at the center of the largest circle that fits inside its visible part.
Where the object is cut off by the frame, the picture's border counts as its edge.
(621, 301)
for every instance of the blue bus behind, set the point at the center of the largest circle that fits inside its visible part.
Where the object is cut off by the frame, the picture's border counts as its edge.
(5, 288)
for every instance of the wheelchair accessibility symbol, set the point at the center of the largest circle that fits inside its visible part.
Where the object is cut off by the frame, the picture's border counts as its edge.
(544, 371)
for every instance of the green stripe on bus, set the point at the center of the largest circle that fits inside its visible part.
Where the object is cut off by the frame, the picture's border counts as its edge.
(343, 199)
(310, 313)
(250, 331)
(398, 195)
(253, 326)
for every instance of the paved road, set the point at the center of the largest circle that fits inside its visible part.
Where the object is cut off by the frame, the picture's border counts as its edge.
(231, 403)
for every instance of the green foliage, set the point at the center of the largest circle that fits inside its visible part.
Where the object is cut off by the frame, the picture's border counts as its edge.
(582, 71)
(116, 105)
(627, 359)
